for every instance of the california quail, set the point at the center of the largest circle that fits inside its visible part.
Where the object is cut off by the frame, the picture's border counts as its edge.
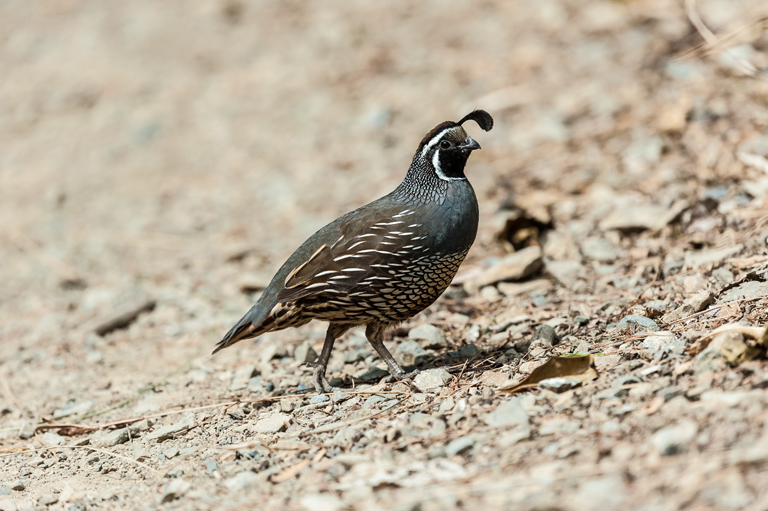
(384, 262)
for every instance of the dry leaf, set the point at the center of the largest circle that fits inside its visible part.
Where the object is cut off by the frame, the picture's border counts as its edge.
(759, 334)
(290, 445)
(653, 405)
(580, 367)
(289, 473)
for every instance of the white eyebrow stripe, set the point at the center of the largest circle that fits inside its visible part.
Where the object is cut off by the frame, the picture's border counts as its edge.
(434, 141)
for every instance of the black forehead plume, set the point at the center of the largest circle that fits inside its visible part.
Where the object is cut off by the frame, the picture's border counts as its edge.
(481, 117)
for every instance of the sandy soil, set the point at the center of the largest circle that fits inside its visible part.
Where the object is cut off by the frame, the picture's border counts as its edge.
(164, 158)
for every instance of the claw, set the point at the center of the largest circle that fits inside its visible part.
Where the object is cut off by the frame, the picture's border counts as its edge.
(401, 377)
(321, 383)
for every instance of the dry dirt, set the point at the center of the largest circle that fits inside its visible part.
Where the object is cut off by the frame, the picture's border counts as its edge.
(165, 158)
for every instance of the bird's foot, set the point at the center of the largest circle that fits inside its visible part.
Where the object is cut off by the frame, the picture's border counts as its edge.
(401, 377)
(321, 383)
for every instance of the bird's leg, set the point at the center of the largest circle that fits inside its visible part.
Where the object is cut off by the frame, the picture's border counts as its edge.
(318, 376)
(375, 334)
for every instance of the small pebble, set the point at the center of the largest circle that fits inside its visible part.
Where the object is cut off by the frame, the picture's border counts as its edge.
(637, 323)
(459, 445)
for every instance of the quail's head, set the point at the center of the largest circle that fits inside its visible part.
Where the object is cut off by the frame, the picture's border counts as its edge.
(447, 147)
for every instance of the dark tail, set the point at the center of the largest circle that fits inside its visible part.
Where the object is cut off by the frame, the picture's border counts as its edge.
(246, 328)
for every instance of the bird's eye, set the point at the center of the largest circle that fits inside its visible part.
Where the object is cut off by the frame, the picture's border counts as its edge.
(445, 144)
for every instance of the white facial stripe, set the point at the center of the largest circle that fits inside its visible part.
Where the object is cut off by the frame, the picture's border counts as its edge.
(434, 141)
(439, 171)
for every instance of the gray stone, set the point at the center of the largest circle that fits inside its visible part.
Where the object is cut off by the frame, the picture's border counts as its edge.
(48, 500)
(489, 293)
(519, 288)
(431, 379)
(52, 439)
(469, 350)
(567, 272)
(352, 356)
(637, 323)
(288, 405)
(111, 438)
(171, 430)
(674, 439)
(752, 289)
(710, 257)
(459, 445)
(656, 308)
(515, 266)
(660, 340)
(148, 403)
(429, 336)
(340, 396)
(322, 502)
(421, 421)
(272, 424)
(175, 490)
(242, 377)
(141, 426)
(322, 398)
(73, 409)
(446, 405)
(545, 334)
(243, 481)
(272, 351)
(4, 490)
(305, 353)
(639, 217)
(375, 373)
(598, 249)
(255, 384)
(26, 431)
(411, 353)
(691, 305)
(510, 413)
(559, 384)
(373, 400)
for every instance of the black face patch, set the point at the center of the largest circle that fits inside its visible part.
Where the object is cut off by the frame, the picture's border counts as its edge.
(448, 156)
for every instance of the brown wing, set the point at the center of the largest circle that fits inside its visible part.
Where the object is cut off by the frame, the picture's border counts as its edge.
(380, 243)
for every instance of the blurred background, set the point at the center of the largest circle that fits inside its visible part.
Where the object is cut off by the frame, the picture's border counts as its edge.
(176, 152)
(159, 160)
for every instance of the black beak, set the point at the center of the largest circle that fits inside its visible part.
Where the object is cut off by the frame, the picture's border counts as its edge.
(469, 144)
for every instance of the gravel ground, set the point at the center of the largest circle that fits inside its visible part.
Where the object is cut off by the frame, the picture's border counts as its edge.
(159, 160)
